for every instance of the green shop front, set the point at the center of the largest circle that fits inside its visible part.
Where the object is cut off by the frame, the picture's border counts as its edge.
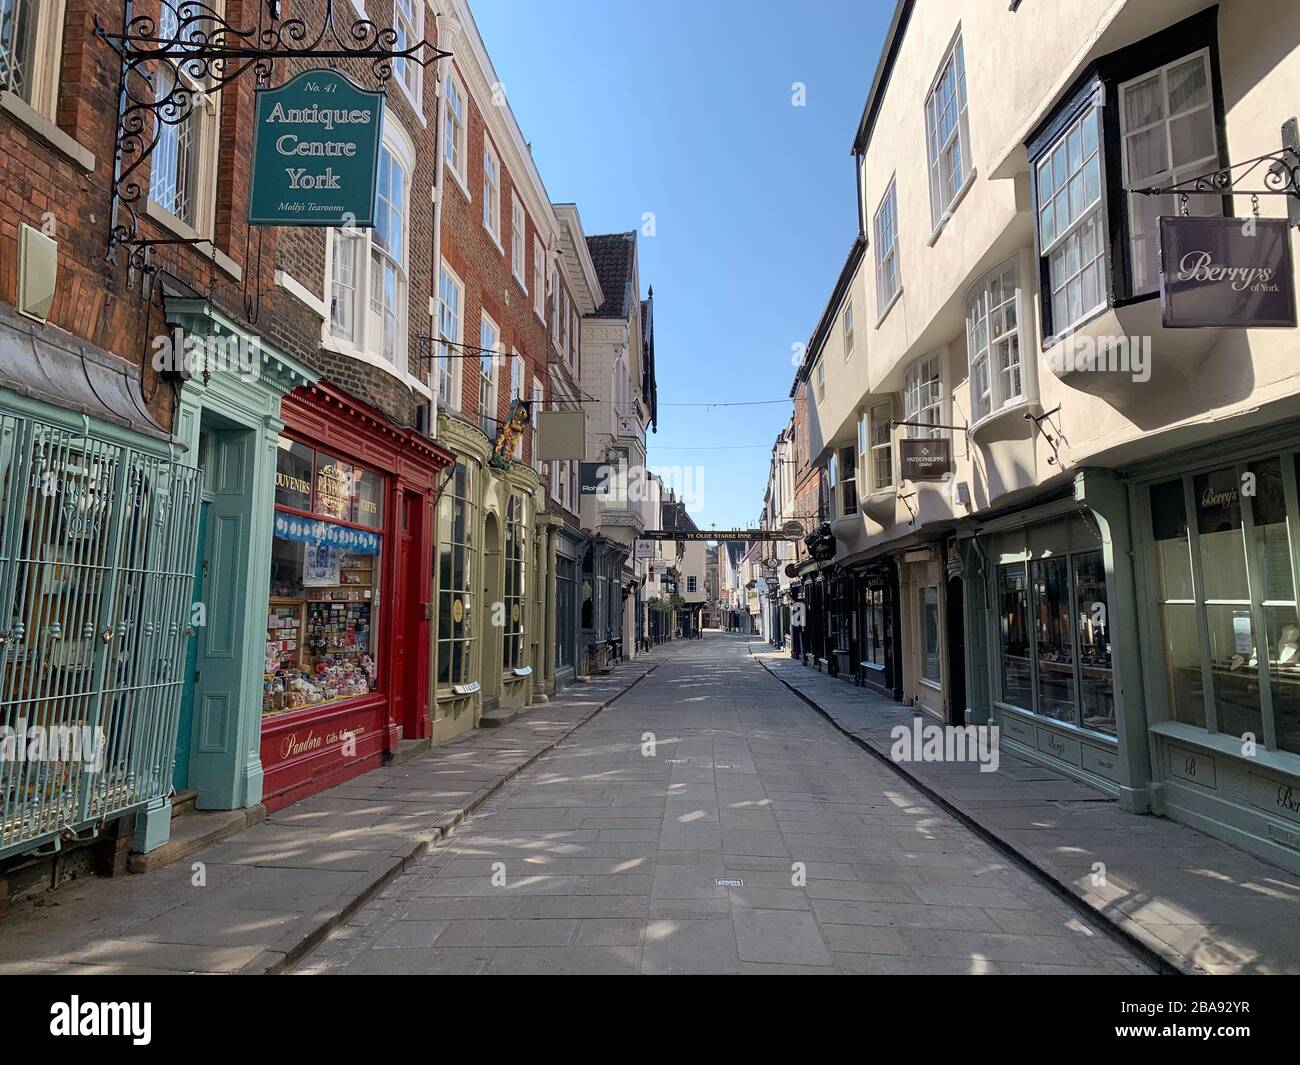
(1218, 556)
(229, 420)
(1051, 640)
(98, 516)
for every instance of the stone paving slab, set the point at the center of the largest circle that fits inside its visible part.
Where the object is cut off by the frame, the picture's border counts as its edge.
(275, 890)
(778, 846)
(1199, 905)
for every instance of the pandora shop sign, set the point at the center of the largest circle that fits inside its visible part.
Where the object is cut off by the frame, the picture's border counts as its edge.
(315, 152)
(1226, 272)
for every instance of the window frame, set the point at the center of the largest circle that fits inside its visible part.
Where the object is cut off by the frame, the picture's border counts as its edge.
(999, 399)
(47, 59)
(941, 209)
(491, 355)
(886, 250)
(940, 404)
(367, 341)
(518, 241)
(1100, 81)
(846, 327)
(491, 213)
(448, 358)
(403, 66)
(455, 132)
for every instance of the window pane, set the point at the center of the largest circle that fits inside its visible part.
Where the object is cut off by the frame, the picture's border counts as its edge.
(1017, 683)
(1093, 620)
(1223, 548)
(930, 633)
(1056, 694)
(1234, 669)
(1183, 663)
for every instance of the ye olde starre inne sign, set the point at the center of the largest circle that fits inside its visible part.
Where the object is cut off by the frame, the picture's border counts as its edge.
(315, 152)
(1226, 272)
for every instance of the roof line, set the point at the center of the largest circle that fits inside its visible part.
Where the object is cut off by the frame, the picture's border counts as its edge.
(884, 67)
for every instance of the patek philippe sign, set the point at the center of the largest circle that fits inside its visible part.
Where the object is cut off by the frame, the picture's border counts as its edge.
(315, 153)
(1226, 272)
(925, 458)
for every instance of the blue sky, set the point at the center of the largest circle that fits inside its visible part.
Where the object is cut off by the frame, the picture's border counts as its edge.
(684, 109)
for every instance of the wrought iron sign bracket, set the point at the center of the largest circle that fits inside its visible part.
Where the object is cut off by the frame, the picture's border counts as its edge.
(1280, 177)
(177, 60)
(928, 425)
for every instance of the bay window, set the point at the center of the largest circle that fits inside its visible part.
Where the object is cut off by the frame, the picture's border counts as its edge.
(371, 265)
(1168, 136)
(993, 342)
(948, 134)
(923, 396)
(1071, 232)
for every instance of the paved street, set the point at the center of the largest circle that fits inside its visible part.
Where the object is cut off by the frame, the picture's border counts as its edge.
(711, 822)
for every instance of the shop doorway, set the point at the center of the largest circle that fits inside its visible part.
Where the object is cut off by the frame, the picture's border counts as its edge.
(956, 639)
(490, 663)
(410, 629)
(185, 727)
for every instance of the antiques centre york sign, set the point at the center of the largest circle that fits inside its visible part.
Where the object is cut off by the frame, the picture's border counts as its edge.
(315, 152)
(1229, 272)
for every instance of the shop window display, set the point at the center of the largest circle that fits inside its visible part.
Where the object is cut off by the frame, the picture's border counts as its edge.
(1053, 639)
(1017, 677)
(457, 556)
(322, 623)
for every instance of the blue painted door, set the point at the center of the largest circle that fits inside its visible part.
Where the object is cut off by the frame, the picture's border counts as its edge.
(184, 730)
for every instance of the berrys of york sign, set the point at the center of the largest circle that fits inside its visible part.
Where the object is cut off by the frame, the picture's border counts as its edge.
(1230, 272)
(315, 153)
(925, 458)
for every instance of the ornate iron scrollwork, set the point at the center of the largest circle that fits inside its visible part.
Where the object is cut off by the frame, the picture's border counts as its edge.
(189, 51)
(1276, 174)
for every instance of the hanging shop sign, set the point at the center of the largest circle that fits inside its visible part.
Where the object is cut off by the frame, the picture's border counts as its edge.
(592, 478)
(733, 535)
(315, 153)
(925, 458)
(643, 549)
(1226, 272)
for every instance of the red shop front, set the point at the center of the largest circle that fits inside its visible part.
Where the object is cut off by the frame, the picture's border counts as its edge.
(347, 637)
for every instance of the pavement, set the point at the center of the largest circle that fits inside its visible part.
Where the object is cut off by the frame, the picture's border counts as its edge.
(261, 900)
(710, 821)
(1190, 903)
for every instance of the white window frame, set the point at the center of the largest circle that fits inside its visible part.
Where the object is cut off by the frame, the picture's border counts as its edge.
(489, 330)
(848, 479)
(408, 24)
(1170, 175)
(555, 306)
(819, 381)
(846, 325)
(925, 395)
(948, 93)
(455, 129)
(1091, 213)
(204, 128)
(42, 80)
(538, 398)
(518, 241)
(367, 340)
(876, 435)
(449, 361)
(889, 276)
(539, 280)
(492, 191)
(990, 379)
(568, 328)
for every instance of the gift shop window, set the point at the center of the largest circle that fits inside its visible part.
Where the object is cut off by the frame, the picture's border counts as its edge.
(1225, 600)
(457, 556)
(1055, 639)
(322, 631)
(516, 599)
